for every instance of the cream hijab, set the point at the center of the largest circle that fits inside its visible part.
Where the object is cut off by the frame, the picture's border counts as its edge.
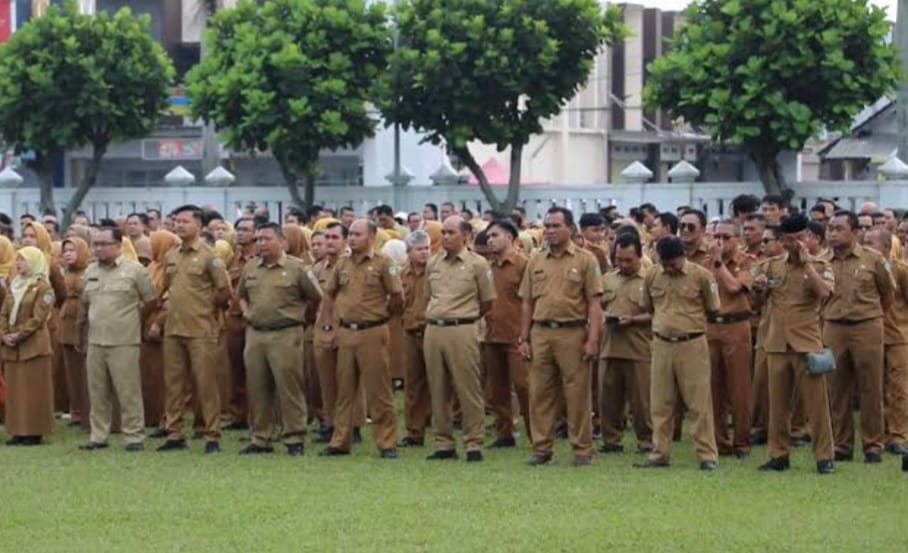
(37, 272)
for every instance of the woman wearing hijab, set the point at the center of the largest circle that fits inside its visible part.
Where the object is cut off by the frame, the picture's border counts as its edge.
(7, 266)
(397, 251)
(74, 260)
(433, 229)
(224, 251)
(152, 357)
(297, 245)
(27, 355)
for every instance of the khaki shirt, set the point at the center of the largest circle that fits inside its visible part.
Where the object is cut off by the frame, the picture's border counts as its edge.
(193, 275)
(503, 320)
(895, 320)
(323, 270)
(863, 278)
(415, 298)
(622, 296)
(792, 308)
(457, 285)
(601, 254)
(679, 302)
(561, 286)
(114, 298)
(235, 272)
(276, 295)
(739, 267)
(701, 256)
(361, 285)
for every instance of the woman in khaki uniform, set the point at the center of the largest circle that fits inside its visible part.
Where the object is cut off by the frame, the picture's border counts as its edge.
(297, 245)
(224, 250)
(27, 355)
(152, 357)
(74, 260)
(7, 267)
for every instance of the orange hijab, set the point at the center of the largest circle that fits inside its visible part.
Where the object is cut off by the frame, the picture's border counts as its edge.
(433, 229)
(297, 244)
(162, 241)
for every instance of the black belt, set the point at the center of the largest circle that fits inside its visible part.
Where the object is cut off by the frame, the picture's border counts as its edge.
(275, 327)
(561, 324)
(730, 318)
(850, 322)
(681, 338)
(362, 325)
(452, 322)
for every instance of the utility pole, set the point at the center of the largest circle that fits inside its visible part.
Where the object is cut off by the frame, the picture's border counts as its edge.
(901, 42)
(211, 148)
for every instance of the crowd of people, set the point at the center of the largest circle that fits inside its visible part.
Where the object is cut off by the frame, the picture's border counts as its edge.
(769, 326)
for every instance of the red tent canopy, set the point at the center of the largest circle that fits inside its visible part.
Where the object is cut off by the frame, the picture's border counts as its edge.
(496, 172)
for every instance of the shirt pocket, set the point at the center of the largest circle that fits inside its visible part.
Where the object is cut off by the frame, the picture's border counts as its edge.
(539, 283)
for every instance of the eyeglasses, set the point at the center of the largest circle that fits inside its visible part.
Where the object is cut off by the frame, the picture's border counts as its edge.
(101, 244)
(690, 227)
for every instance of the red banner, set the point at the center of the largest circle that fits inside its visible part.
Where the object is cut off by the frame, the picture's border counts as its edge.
(6, 20)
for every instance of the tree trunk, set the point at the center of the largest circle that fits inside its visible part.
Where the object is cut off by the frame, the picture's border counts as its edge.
(43, 166)
(309, 188)
(290, 179)
(91, 176)
(514, 183)
(468, 159)
(770, 172)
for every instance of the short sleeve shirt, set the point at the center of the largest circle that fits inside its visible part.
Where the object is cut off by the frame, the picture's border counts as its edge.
(457, 285)
(361, 285)
(680, 301)
(115, 296)
(503, 320)
(863, 277)
(561, 286)
(277, 295)
(622, 296)
(193, 275)
(792, 307)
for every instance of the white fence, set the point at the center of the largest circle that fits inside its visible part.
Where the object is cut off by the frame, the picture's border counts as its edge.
(714, 198)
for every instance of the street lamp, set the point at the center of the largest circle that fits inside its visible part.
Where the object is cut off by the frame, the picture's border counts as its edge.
(219, 177)
(179, 177)
(9, 178)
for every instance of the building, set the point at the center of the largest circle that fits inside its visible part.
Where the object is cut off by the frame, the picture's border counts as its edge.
(872, 140)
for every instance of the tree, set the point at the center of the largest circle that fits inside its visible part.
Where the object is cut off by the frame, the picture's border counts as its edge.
(69, 80)
(491, 70)
(292, 76)
(770, 74)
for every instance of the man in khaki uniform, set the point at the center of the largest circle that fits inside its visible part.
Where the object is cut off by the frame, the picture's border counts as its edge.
(236, 326)
(771, 246)
(116, 292)
(692, 228)
(730, 344)
(363, 290)
(197, 286)
(417, 401)
(895, 348)
(624, 369)
(274, 291)
(506, 369)
(561, 319)
(680, 294)
(854, 330)
(460, 291)
(794, 287)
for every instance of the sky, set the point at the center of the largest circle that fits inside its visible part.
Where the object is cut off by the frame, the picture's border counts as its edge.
(889, 5)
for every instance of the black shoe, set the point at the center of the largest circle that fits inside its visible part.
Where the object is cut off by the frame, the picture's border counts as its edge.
(843, 457)
(332, 452)
(504, 442)
(212, 447)
(357, 435)
(825, 467)
(897, 449)
(800, 441)
(411, 442)
(91, 446)
(238, 425)
(539, 459)
(295, 450)
(904, 463)
(778, 464)
(742, 454)
(15, 440)
(389, 454)
(254, 449)
(757, 439)
(173, 445)
(158, 433)
(474, 456)
(442, 455)
(324, 435)
(582, 460)
(709, 466)
(611, 448)
(873, 457)
(32, 440)
(652, 464)
(135, 447)
(561, 431)
(645, 448)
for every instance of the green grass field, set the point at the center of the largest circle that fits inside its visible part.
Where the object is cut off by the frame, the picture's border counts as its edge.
(55, 498)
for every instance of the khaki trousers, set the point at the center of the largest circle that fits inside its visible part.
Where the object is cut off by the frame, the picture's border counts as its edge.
(274, 378)
(114, 370)
(760, 393)
(507, 370)
(859, 362)
(787, 376)
(623, 382)
(731, 354)
(236, 345)
(896, 394)
(76, 384)
(452, 365)
(189, 364)
(559, 375)
(417, 401)
(326, 365)
(311, 387)
(362, 358)
(680, 370)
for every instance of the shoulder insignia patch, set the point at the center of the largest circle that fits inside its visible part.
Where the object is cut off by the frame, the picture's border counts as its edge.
(489, 275)
(48, 298)
(393, 270)
(714, 288)
(217, 263)
(888, 266)
(827, 274)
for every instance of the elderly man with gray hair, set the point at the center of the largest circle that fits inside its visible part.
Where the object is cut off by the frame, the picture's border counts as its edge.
(417, 403)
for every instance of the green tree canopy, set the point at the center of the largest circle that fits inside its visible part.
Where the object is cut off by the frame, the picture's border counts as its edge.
(292, 76)
(69, 80)
(770, 74)
(491, 70)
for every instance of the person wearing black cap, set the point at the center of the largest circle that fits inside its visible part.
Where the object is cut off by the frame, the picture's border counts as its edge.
(680, 294)
(794, 286)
